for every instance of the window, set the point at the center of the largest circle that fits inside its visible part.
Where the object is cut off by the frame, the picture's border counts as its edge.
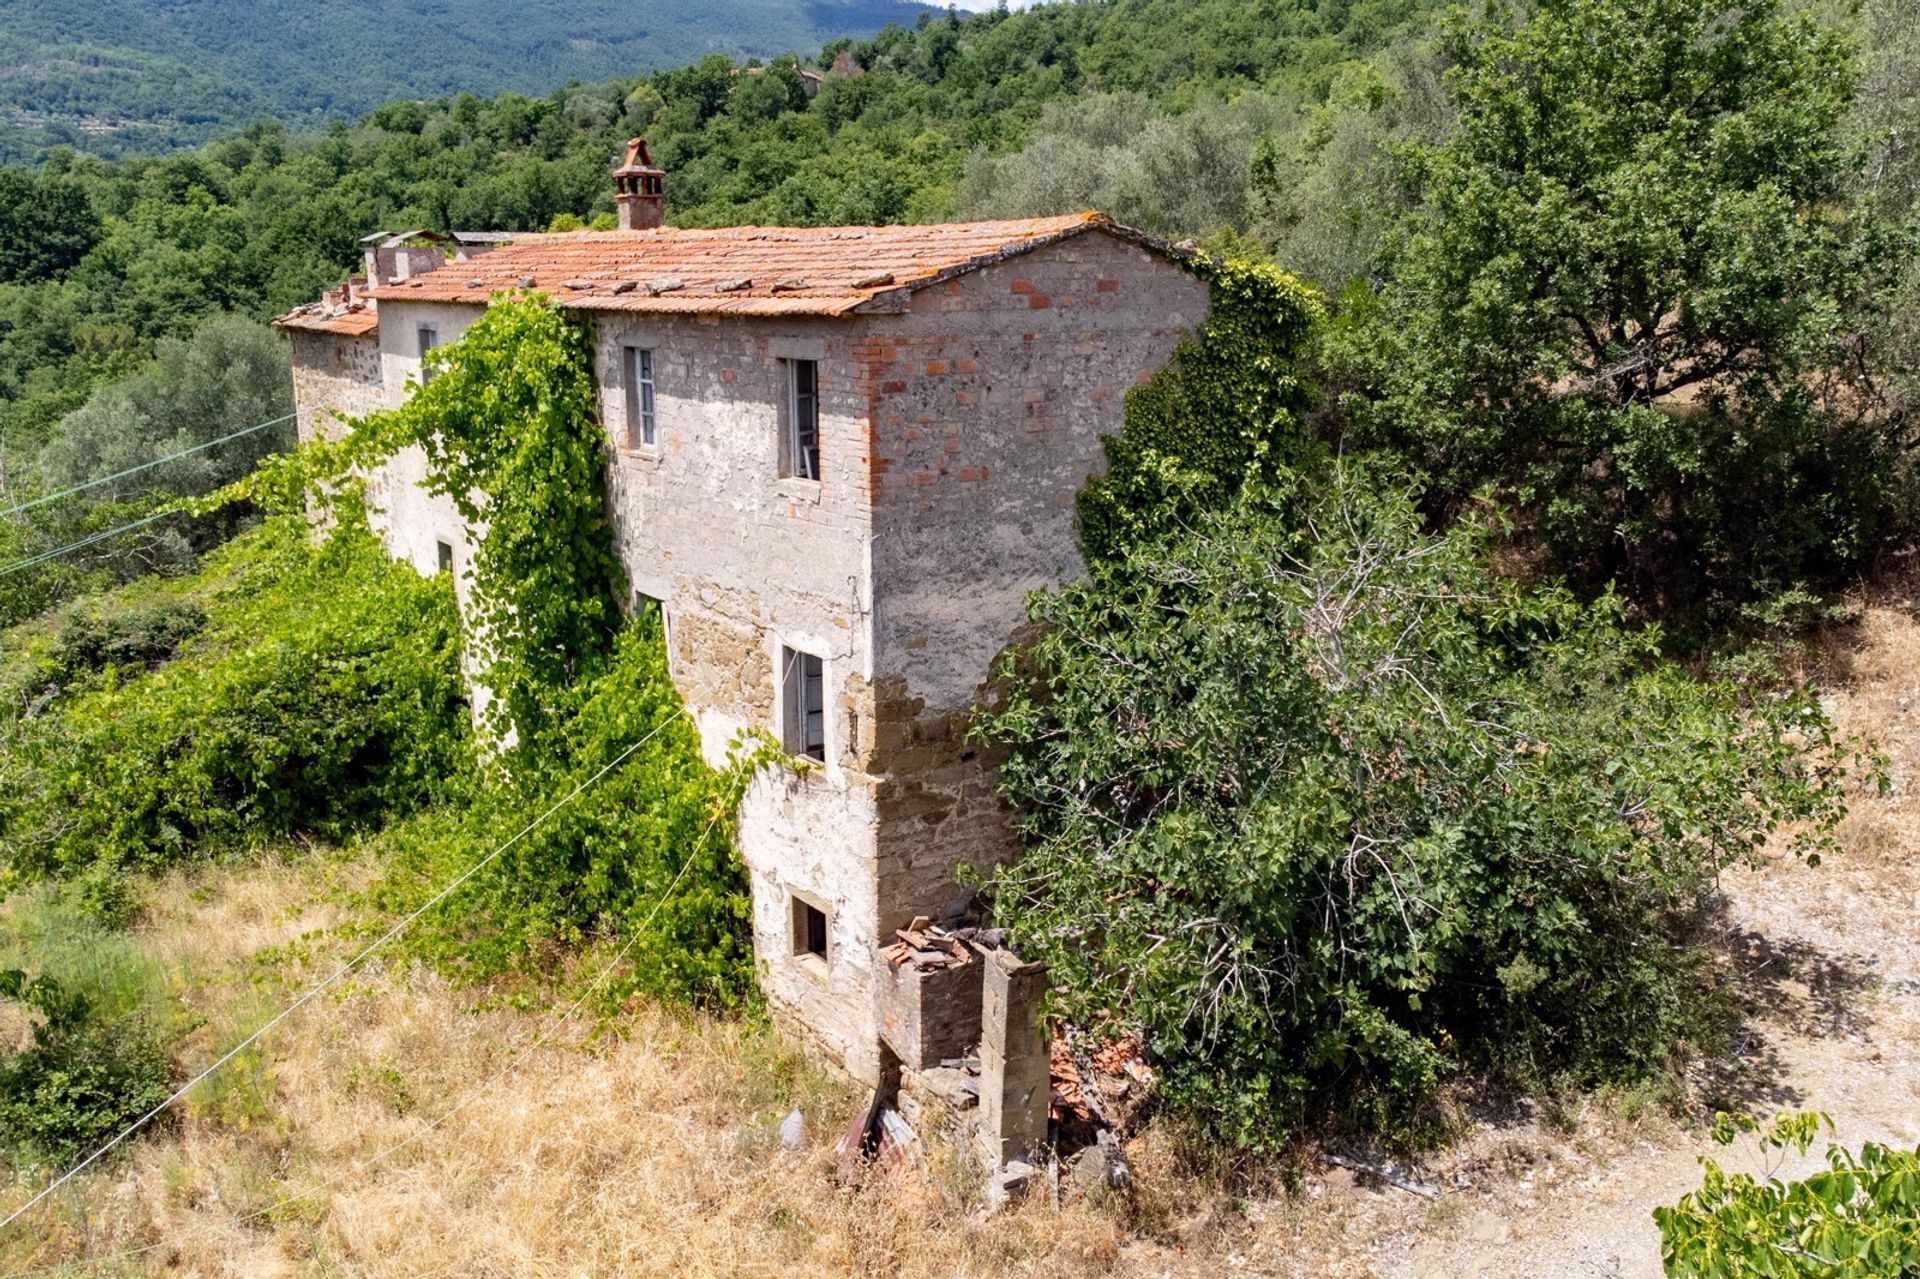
(428, 337)
(805, 700)
(809, 929)
(800, 449)
(652, 609)
(446, 556)
(639, 375)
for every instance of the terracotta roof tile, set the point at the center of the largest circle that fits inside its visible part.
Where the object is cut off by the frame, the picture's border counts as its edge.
(786, 270)
(356, 324)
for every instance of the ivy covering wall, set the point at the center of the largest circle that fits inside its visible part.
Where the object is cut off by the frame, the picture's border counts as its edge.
(1223, 417)
(580, 701)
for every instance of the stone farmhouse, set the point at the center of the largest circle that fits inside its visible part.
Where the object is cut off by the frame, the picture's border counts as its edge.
(839, 460)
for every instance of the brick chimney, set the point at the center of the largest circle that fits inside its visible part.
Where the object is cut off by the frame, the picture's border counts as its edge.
(638, 189)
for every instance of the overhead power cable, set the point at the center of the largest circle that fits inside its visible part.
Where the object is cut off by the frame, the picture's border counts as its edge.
(335, 976)
(467, 1098)
(55, 554)
(145, 466)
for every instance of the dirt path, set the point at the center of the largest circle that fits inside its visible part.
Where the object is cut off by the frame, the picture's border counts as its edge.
(1842, 1036)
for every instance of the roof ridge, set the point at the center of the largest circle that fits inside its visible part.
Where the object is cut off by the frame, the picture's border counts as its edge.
(769, 270)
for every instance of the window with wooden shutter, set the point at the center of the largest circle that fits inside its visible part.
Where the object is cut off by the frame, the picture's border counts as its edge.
(803, 677)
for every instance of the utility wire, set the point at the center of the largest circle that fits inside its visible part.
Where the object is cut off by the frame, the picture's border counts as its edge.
(144, 466)
(337, 974)
(472, 1094)
(55, 554)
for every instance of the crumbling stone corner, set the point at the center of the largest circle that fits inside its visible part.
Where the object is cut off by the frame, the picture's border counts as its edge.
(1015, 1083)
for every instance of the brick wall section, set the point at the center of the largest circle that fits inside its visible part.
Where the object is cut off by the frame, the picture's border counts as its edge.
(989, 401)
(929, 1017)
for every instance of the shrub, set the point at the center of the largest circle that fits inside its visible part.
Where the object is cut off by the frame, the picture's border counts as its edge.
(103, 1022)
(644, 853)
(1330, 811)
(324, 695)
(83, 1078)
(145, 635)
(1859, 1218)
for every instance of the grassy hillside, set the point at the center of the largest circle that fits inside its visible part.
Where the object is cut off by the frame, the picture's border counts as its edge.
(144, 75)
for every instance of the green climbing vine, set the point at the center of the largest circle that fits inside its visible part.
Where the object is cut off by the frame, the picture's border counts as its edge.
(1223, 416)
(508, 426)
(577, 700)
(578, 696)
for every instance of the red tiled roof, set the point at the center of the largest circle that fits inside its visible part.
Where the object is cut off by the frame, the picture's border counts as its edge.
(353, 324)
(742, 270)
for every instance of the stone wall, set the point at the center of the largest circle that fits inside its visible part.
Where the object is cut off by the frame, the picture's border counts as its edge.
(1015, 1071)
(929, 1016)
(334, 376)
(747, 564)
(413, 521)
(989, 401)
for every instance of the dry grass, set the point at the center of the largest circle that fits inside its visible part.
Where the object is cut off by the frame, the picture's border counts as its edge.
(1877, 659)
(396, 1129)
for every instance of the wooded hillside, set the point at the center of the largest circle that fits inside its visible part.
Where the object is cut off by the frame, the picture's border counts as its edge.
(131, 76)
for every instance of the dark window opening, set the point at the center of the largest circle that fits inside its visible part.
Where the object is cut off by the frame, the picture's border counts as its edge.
(802, 675)
(429, 338)
(652, 611)
(446, 556)
(809, 929)
(800, 451)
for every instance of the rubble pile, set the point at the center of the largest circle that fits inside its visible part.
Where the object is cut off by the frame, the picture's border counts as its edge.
(928, 947)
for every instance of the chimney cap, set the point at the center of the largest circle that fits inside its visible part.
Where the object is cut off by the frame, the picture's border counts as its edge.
(638, 162)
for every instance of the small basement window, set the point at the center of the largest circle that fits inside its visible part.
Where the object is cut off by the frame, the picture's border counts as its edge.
(800, 442)
(428, 337)
(804, 697)
(445, 551)
(638, 369)
(809, 929)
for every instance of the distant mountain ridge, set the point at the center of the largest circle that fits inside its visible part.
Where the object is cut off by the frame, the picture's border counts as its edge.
(121, 76)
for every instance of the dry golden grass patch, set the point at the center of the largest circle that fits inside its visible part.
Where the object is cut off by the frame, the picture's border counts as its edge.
(397, 1126)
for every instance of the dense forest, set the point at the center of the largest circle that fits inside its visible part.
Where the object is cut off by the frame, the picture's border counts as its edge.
(1561, 373)
(126, 78)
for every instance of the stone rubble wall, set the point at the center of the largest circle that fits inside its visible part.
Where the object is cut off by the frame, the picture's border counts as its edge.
(748, 563)
(333, 376)
(989, 401)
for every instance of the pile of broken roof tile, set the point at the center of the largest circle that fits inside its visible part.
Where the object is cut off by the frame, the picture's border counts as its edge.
(927, 947)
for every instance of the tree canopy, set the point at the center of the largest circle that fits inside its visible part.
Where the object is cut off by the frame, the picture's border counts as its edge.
(1634, 297)
(1328, 810)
